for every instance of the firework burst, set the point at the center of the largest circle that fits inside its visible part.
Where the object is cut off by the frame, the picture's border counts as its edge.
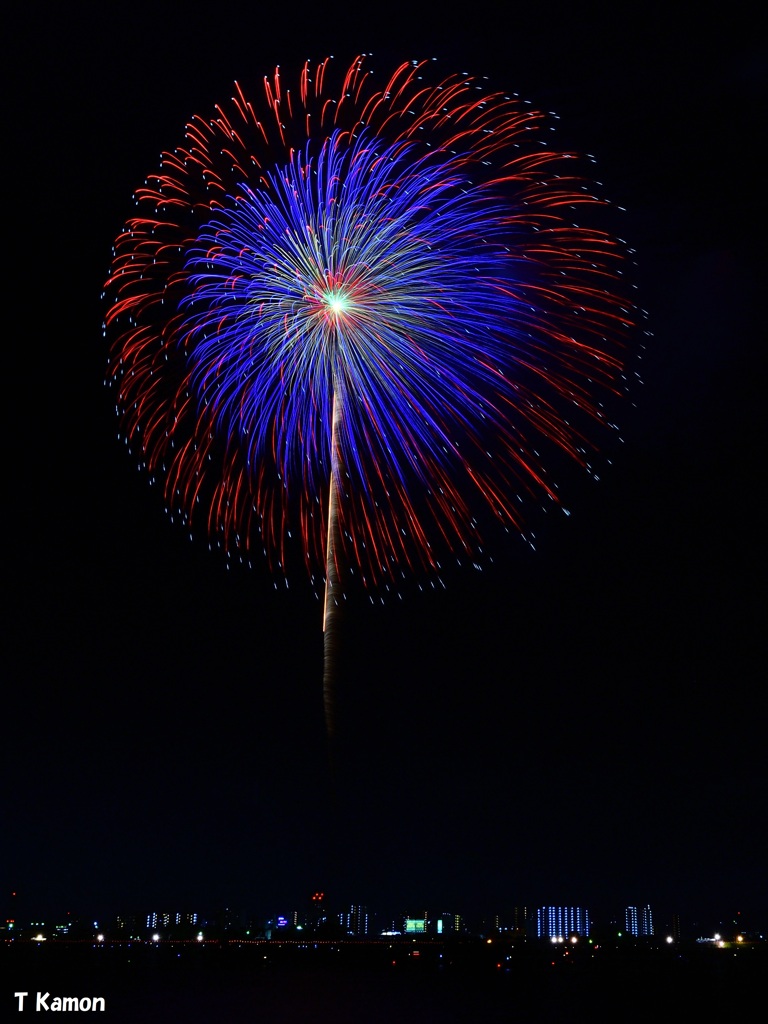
(345, 318)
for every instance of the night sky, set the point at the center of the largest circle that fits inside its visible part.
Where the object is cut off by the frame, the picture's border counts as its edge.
(584, 724)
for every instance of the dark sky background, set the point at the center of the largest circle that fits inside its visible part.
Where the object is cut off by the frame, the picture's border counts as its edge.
(585, 724)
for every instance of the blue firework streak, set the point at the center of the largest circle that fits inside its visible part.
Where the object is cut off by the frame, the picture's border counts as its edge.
(401, 302)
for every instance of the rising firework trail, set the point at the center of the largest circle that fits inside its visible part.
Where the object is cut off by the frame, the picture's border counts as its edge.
(351, 321)
(332, 584)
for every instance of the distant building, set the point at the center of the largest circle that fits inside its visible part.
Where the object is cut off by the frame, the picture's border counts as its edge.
(507, 924)
(168, 919)
(520, 918)
(12, 912)
(128, 926)
(416, 925)
(638, 922)
(562, 922)
(318, 913)
(171, 923)
(355, 920)
(446, 924)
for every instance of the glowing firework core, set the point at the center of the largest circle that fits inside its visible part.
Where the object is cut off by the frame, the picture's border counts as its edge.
(338, 303)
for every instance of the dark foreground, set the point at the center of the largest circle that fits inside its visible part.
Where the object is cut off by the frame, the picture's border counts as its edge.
(372, 983)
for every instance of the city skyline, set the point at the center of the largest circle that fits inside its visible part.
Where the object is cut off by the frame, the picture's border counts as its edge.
(271, 918)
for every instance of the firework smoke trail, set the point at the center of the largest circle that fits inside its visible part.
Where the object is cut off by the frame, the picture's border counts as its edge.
(370, 290)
